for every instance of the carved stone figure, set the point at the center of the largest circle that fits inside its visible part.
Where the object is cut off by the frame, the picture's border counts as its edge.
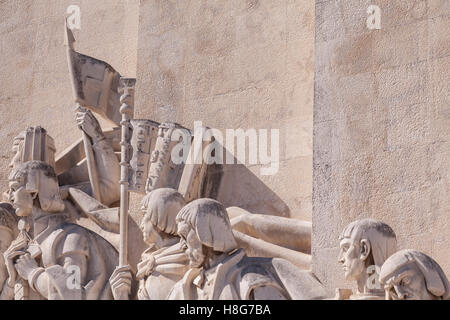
(142, 141)
(163, 172)
(8, 232)
(413, 275)
(364, 247)
(35, 144)
(165, 261)
(219, 269)
(36, 138)
(106, 161)
(62, 260)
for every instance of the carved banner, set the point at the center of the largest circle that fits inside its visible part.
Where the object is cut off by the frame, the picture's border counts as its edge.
(95, 83)
(143, 139)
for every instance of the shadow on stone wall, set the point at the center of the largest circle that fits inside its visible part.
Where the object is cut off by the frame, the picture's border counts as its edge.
(240, 187)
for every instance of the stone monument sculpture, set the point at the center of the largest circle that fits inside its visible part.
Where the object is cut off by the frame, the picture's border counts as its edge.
(272, 236)
(197, 249)
(36, 138)
(34, 143)
(165, 261)
(8, 232)
(219, 269)
(413, 275)
(364, 247)
(57, 259)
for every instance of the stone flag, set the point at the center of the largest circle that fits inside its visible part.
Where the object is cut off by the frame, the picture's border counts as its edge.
(95, 83)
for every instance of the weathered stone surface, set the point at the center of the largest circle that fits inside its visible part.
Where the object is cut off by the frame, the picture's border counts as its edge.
(36, 87)
(380, 126)
(413, 275)
(235, 64)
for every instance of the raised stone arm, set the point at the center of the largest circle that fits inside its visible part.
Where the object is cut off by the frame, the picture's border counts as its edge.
(105, 159)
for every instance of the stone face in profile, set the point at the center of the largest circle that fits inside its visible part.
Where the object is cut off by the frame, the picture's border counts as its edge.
(34, 144)
(165, 261)
(219, 270)
(364, 247)
(61, 260)
(413, 275)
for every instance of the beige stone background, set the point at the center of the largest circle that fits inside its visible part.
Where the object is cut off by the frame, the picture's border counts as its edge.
(236, 64)
(230, 64)
(35, 87)
(382, 126)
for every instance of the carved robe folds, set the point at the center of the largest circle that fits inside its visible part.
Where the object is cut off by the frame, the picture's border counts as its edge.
(238, 277)
(164, 267)
(71, 254)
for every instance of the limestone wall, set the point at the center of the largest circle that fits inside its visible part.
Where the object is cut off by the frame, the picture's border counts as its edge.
(229, 64)
(35, 84)
(381, 126)
(236, 64)
(381, 100)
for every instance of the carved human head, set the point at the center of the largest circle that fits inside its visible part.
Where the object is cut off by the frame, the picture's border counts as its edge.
(364, 243)
(205, 226)
(413, 275)
(34, 183)
(160, 207)
(17, 150)
(8, 232)
(33, 144)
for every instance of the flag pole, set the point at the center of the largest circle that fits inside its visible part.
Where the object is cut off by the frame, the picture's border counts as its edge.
(126, 87)
(90, 158)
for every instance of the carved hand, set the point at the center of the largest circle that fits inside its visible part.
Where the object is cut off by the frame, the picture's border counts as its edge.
(88, 123)
(25, 265)
(9, 261)
(145, 268)
(120, 281)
